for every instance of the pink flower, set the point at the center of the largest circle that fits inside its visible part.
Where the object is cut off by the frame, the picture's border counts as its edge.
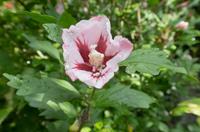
(182, 25)
(90, 53)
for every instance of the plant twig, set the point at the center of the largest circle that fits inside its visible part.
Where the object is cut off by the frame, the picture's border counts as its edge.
(139, 21)
(85, 114)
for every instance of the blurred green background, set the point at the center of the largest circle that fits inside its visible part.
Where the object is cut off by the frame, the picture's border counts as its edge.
(147, 23)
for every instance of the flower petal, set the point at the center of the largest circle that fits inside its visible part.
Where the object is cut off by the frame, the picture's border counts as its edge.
(120, 49)
(71, 59)
(108, 73)
(90, 31)
(87, 78)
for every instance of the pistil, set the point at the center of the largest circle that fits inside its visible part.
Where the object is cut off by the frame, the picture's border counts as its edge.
(96, 59)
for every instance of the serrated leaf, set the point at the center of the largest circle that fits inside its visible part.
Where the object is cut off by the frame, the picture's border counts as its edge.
(121, 95)
(149, 61)
(28, 85)
(44, 46)
(45, 94)
(39, 17)
(14, 81)
(54, 32)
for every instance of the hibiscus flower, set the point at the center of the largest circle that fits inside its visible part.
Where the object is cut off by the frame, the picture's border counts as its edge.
(90, 53)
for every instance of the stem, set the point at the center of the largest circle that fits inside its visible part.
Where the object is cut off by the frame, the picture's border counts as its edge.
(139, 22)
(93, 92)
(85, 115)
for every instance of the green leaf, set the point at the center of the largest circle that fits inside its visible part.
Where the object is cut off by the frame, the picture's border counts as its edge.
(65, 84)
(191, 66)
(44, 46)
(153, 2)
(68, 109)
(4, 112)
(149, 61)
(121, 95)
(46, 94)
(65, 107)
(58, 126)
(39, 17)
(28, 85)
(190, 106)
(188, 38)
(163, 127)
(14, 81)
(66, 20)
(6, 61)
(54, 32)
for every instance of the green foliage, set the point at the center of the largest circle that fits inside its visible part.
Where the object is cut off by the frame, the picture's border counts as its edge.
(190, 106)
(147, 99)
(47, 94)
(54, 32)
(124, 96)
(39, 17)
(66, 20)
(4, 113)
(149, 61)
(188, 37)
(57, 126)
(44, 46)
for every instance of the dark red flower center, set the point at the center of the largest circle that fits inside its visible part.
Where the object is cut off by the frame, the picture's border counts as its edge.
(94, 58)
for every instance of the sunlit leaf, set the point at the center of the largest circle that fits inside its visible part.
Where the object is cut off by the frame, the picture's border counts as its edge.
(150, 61)
(122, 95)
(189, 106)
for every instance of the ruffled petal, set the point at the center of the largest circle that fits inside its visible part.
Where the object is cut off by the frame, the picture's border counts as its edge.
(108, 73)
(87, 77)
(71, 59)
(93, 31)
(119, 50)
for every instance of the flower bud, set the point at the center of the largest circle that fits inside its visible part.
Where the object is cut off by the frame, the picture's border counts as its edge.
(182, 25)
(59, 8)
